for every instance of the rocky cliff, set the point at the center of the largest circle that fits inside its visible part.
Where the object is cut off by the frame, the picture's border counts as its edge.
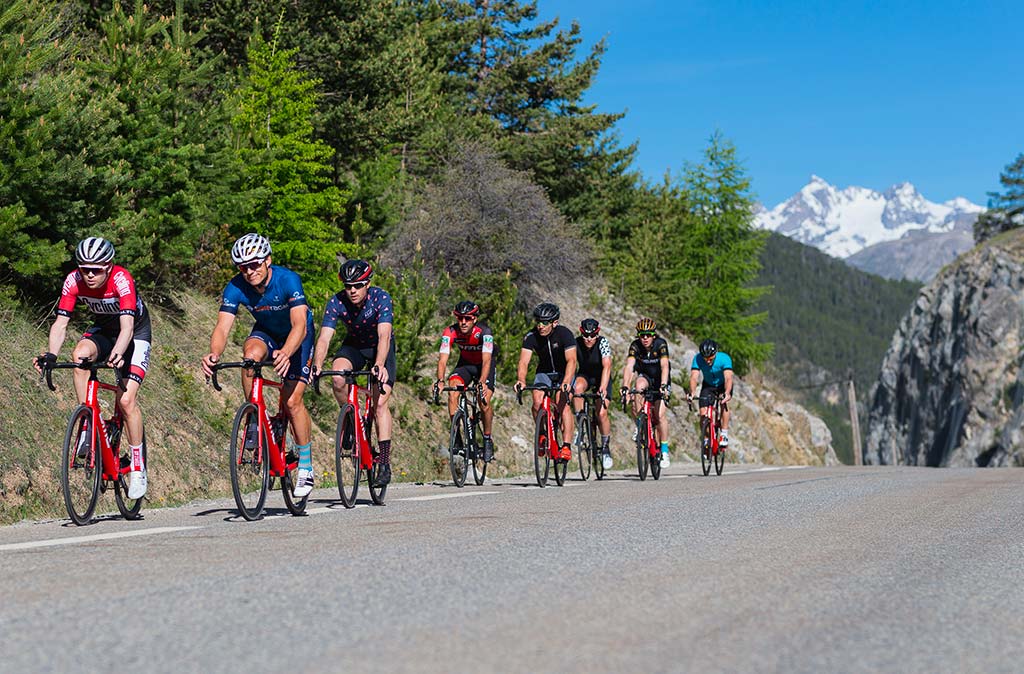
(951, 391)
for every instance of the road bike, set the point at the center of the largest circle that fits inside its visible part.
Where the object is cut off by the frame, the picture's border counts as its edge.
(546, 447)
(91, 459)
(711, 450)
(355, 438)
(259, 446)
(589, 452)
(648, 454)
(463, 445)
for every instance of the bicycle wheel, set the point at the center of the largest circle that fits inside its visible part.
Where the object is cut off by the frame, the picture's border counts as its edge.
(561, 470)
(477, 454)
(596, 453)
(705, 449)
(296, 506)
(347, 466)
(655, 461)
(719, 457)
(584, 444)
(80, 477)
(458, 449)
(129, 508)
(376, 493)
(641, 446)
(250, 467)
(541, 455)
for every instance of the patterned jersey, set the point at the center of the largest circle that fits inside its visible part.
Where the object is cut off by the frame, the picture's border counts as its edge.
(648, 361)
(550, 350)
(473, 346)
(360, 322)
(714, 374)
(271, 308)
(589, 360)
(117, 297)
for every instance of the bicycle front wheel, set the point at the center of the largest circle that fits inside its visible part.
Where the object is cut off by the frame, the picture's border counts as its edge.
(129, 508)
(250, 467)
(541, 448)
(458, 449)
(296, 506)
(80, 475)
(584, 445)
(719, 458)
(477, 453)
(642, 456)
(654, 459)
(376, 493)
(705, 450)
(346, 457)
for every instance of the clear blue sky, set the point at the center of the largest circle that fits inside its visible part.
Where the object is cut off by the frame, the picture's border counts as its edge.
(859, 93)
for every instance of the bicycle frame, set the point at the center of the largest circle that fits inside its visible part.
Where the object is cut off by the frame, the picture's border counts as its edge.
(468, 403)
(545, 406)
(645, 409)
(366, 457)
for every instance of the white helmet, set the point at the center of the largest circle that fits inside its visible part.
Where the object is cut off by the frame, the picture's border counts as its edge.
(94, 250)
(250, 247)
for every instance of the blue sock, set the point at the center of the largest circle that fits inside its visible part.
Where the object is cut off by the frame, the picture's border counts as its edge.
(305, 456)
(664, 448)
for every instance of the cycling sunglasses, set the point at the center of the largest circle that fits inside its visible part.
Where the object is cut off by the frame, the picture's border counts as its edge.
(591, 335)
(361, 284)
(542, 324)
(251, 266)
(467, 319)
(92, 271)
(645, 334)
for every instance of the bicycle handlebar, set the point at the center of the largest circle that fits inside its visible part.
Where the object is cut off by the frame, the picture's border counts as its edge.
(648, 394)
(84, 364)
(247, 363)
(548, 390)
(349, 376)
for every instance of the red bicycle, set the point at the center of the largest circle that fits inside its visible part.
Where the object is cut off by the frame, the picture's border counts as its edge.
(545, 438)
(355, 441)
(258, 446)
(648, 455)
(91, 457)
(711, 450)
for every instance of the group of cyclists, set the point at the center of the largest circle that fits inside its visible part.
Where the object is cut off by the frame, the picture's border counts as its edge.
(284, 333)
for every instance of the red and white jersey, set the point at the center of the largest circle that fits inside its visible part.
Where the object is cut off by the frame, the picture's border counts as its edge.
(479, 341)
(116, 297)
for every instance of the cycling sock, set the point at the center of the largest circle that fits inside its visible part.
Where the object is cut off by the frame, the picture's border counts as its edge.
(305, 456)
(385, 452)
(605, 439)
(487, 436)
(664, 448)
(136, 452)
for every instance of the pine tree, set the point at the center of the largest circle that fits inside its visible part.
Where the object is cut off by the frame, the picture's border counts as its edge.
(1006, 210)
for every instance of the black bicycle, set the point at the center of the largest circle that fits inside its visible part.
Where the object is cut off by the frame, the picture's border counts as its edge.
(463, 445)
(586, 435)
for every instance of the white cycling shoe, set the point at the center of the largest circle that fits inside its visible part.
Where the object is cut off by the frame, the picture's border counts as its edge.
(606, 461)
(665, 463)
(303, 483)
(138, 482)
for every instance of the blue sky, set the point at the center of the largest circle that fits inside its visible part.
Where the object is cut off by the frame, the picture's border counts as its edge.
(857, 93)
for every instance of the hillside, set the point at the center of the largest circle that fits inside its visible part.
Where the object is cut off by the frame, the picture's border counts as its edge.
(827, 319)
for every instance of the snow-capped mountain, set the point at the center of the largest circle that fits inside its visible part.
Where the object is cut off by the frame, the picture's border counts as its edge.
(842, 222)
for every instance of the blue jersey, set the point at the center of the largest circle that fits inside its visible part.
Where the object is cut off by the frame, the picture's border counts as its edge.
(272, 307)
(360, 322)
(714, 374)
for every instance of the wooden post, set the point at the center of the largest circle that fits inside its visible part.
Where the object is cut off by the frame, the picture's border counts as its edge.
(855, 425)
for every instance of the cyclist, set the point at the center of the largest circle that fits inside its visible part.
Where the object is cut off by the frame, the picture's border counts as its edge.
(555, 347)
(594, 357)
(648, 362)
(367, 314)
(716, 368)
(283, 333)
(477, 353)
(121, 335)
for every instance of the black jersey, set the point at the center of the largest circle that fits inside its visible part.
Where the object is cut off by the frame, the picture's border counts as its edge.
(648, 361)
(589, 360)
(550, 350)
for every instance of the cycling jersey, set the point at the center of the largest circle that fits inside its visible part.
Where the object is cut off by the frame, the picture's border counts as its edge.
(271, 308)
(360, 322)
(550, 350)
(479, 341)
(589, 360)
(648, 361)
(714, 374)
(115, 298)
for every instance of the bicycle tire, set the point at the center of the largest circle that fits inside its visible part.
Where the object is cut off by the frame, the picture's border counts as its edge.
(477, 453)
(642, 455)
(79, 482)
(720, 455)
(296, 506)
(377, 494)
(585, 444)
(597, 455)
(541, 447)
(655, 463)
(458, 449)
(561, 470)
(347, 466)
(250, 468)
(129, 508)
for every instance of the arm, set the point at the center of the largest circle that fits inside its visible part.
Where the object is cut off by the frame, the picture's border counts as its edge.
(323, 342)
(442, 366)
(627, 372)
(694, 380)
(606, 375)
(665, 381)
(383, 346)
(124, 338)
(728, 386)
(524, 364)
(58, 331)
(570, 368)
(218, 341)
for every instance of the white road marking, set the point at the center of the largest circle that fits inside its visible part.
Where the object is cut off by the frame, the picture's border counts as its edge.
(438, 497)
(71, 540)
(335, 509)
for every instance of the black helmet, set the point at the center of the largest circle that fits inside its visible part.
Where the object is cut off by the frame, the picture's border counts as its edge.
(589, 327)
(467, 308)
(546, 312)
(708, 348)
(355, 271)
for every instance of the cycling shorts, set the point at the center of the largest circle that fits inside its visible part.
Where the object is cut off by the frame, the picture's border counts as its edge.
(299, 363)
(365, 358)
(708, 393)
(136, 357)
(466, 373)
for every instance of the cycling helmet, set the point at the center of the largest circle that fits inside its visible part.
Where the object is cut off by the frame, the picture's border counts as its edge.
(250, 247)
(646, 325)
(355, 271)
(546, 312)
(467, 308)
(94, 250)
(708, 348)
(590, 327)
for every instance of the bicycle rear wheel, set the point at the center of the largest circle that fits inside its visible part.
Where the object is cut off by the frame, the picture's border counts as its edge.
(129, 508)
(541, 449)
(476, 451)
(347, 466)
(719, 457)
(458, 449)
(641, 446)
(376, 493)
(596, 453)
(80, 476)
(296, 506)
(250, 467)
(655, 461)
(584, 444)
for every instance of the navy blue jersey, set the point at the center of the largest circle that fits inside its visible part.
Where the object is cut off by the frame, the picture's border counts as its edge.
(271, 308)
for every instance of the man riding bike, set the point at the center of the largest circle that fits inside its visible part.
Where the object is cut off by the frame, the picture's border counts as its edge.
(477, 352)
(555, 347)
(283, 333)
(716, 368)
(594, 358)
(367, 313)
(648, 362)
(121, 335)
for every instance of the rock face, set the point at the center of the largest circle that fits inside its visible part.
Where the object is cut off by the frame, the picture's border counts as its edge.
(951, 392)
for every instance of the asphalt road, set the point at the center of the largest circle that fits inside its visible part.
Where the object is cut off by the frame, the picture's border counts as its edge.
(792, 570)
